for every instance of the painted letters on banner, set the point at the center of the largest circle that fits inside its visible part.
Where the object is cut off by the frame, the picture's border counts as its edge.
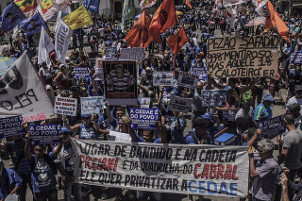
(162, 78)
(66, 106)
(92, 105)
(11, 126)
(135, 53)
(120, 78)
(22, 93)
(187, 80)
(163, 168)
(272, 127)
(296, 58)
(45, 134)
(214, 98)
(179, 104)
(81, 72)
(144, 118)
(63, 36)
(255, 56)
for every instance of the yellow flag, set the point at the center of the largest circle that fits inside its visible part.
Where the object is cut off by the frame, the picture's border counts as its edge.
(78, 18)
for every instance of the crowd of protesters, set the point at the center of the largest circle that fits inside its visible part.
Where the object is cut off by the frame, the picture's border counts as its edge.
(271, 178)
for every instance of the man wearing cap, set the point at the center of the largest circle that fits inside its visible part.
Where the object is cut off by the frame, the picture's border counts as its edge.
(69, 166)
(10, 181)
(264, 110)
(297, 98)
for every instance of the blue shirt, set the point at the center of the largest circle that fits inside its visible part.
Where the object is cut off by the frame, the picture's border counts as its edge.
(42, 176)
(192, 138)
(88, 132)
(262, 113)
(140, 139)
(177, 135)
(10, 179)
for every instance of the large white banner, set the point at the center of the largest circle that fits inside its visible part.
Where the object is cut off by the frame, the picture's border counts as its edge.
(22, 93)
(169, 168)
(63, 36)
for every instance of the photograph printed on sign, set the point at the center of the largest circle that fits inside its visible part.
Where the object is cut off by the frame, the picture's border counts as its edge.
(214, 98)
(187, 80)
(120, 82)
(162, 78)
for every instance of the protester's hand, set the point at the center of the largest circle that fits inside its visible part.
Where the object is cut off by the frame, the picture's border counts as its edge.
(27, 136)
(284, 180)
(25, 126)
(258, 132)
(250, 151)
(106, 103)
(286, 170)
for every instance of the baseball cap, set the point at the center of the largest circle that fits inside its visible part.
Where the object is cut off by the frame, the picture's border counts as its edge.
(268, 97)
(298, 88)
(208, 116)
(65, 130)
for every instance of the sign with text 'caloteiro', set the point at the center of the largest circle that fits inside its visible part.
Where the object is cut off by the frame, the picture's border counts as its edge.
(11, 126)
(142, 118)
(66, 106)
(255, 56)
(165, 168)
(45, 134)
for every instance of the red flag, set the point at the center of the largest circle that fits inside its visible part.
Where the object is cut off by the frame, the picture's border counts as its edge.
(188, 3)
(177, 41)
(139, 36)
(277, 21)
(163, 19)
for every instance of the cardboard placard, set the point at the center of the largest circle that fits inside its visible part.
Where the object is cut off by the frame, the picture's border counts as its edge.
(187, 80)
(214, 98)
(66, 106)
(179, 104)
(142, 118)
(162, 78)
(92, 105)
(45, 134)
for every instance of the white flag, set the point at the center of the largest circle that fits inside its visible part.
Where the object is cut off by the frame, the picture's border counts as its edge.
(63, 36)
(45, 47)
(22, 93)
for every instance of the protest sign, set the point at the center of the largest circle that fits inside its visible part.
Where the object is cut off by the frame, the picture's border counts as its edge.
(200, 72)
(272, 127)
(81, 72)
(162, 78)
(99, 70)
(161, 168)
(214, 98)
(11, 126)
(144, 102)
(92, 105)
(255, 56)
(135, 53)
(63, 36)
(229, 115)
(187, 80)
(296, 58)
(66, 106)
(111, 53)
(120, 82)
(23, 93)
(45, 134)
(119, 137)
(179, 104)
(142, 118)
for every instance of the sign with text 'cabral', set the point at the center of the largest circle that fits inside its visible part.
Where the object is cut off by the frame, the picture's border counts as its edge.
(179, 104)
(214, 98)
(296, 57)
(142, 118)
(66, 106)
(255, 56)
(92, 105)
(272, 127)
(134, 53)
(81, 72)
(45, 134)
(11, 126)
(165, 168)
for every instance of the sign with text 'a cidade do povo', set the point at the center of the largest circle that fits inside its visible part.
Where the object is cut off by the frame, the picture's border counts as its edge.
(66, 106)
(179, 104)
(45, 134)
(11, 126)
(81, 72)
(162, 78)
(92, 105)
(255, 56)
(165, 168)
(214, 98)
(187, 80)
(142, 118)
(272, 127)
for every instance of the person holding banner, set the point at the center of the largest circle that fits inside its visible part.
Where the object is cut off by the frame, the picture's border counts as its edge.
(10, 181)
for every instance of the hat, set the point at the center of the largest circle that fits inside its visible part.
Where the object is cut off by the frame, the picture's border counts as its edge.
(65, 130)
(298, 88)
(294, 106)
(85, 115)
(208, 116)
(268, 97)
